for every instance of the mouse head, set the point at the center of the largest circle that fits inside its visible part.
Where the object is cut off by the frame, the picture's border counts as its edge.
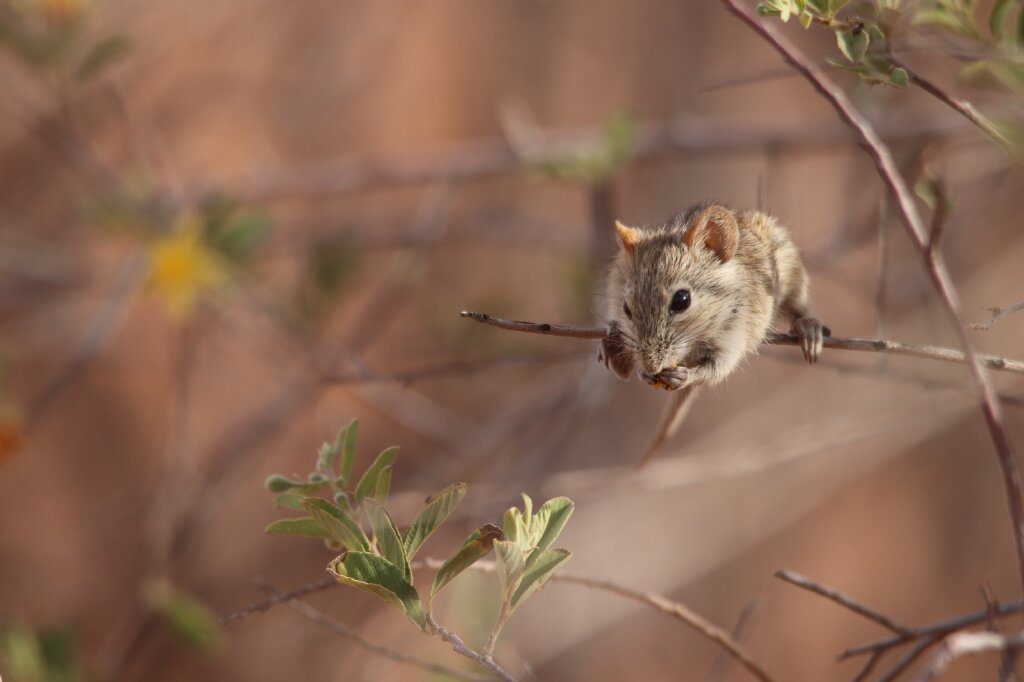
(673, 289)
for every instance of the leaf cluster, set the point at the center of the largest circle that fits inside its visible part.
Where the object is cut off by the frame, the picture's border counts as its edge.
(350, 514)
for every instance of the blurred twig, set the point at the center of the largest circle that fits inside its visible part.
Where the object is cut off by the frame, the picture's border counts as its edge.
(721, 663)
(922, 637)
(968, 644)
(997, 314)
(325, 621)
(865, 345)
(96, 335)
(495, 156)
(934, 264)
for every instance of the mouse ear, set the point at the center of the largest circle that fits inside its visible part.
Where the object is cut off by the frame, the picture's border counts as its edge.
(628, 236)
(714, 228)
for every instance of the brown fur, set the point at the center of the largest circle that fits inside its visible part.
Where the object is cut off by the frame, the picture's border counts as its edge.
(742, 269)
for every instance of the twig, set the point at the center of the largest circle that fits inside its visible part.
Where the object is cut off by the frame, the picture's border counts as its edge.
(866, 345)
(323, 620)
(903, 199)
(460, 648)
(962, 107)
(968, 644)
(718, 668)
(275, 599)
(672, 608)
(907, 659)
(843, 600)
(868, 667)
(488, 157)
(997, 314)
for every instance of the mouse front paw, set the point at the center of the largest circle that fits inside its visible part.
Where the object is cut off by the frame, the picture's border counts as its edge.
(615, 355)
(670, 379)
(811, 333)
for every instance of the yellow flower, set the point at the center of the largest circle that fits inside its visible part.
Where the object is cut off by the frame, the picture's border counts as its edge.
(183, 268)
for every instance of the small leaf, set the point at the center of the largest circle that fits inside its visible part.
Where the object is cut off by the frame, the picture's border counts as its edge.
(348, 453)
(538, 574)
(305, 527)
(290, 500)
(383, 485)
(553, 515)
(189, 619)
(511, 564)
(338, 524)
(388, 539)
(476, 547)
(806, 19)
(376, 575)
(899, 77)
(853, 43)
(997, 19)
(280, 484)
(327, 455)
(433, 515)
(367, 485)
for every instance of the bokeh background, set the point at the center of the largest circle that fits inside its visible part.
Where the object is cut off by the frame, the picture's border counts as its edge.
(227, 228)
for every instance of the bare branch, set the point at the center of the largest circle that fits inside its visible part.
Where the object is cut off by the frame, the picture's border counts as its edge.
(460, 648)
(844, 601)
(325, 621)
(903, 199)
(997, 314)
(275, 599)
(968, 644)
(866, 345)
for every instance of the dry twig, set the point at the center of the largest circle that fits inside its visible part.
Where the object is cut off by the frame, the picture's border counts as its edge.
(866, 345)
(997, 314)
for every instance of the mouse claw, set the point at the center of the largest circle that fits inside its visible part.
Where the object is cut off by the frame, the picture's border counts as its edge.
(811, 333)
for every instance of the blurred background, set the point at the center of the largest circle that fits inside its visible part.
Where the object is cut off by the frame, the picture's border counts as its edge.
(227, 228)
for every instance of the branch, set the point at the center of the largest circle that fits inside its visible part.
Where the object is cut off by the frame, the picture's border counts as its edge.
(275, 599)
(460, 648)
(322, 619)
(968, 644)
(865, 345)
(997, 314)
(493, 156)
(843, 600)
(903, 199)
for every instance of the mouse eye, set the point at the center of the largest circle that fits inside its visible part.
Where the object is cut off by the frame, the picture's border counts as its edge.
(680, 301)
(625, 309)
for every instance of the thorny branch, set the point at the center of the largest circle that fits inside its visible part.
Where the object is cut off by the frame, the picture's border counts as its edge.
(866, 345)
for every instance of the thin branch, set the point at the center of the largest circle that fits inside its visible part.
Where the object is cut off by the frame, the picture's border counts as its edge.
(721, 663)
(868, 667)
(865, 345)
(997, 314)
(325, 621)
(962, 107)
(968, 644)
(843, 600)
(906, 660)
(460, 648)
(488, 157)
(903, 199)
(275, 599)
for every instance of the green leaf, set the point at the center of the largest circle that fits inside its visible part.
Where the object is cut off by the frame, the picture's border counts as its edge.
(376, 575)
(513, 525)
(383, 485)
(853, 43)
(388, 539)
(280, 484)
(290, 500)
(338, 524)
(553, 516)
(476, 547)
(939, 18)
(367, 485)
(189, 619)
(328, 454)
(806, 19)
(538, 574)
(101, 55)
(305, 527)
(438, 508)
(348, 453)
(997, 19)
(238, 236)
(511, 564)
(899, 77)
